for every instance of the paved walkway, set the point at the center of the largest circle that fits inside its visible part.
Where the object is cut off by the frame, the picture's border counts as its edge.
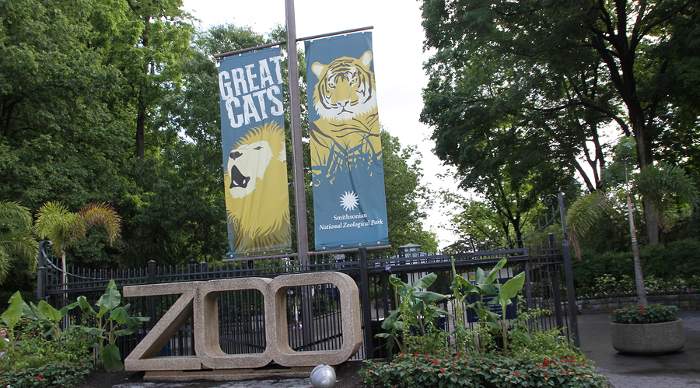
(668, 371)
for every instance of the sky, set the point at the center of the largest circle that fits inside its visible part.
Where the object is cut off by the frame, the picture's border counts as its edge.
(398, 63)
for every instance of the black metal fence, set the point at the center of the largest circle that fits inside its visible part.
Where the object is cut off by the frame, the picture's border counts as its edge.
(241, 313)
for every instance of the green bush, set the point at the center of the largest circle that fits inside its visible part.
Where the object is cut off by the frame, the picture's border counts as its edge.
(35, 361)
(489, 370)
(653, 313)
(660, 264)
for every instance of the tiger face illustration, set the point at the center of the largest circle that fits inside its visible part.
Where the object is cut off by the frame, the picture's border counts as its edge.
(345, 88)
(346, 134)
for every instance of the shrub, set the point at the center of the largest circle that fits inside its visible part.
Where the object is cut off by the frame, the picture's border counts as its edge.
(36, 361)
(653, 313)
(660, 270)
(489, 370)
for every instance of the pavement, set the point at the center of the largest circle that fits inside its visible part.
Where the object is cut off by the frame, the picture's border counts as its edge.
(681, 369)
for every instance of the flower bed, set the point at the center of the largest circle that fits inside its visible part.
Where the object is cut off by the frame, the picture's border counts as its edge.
(653, 313)
(495, 352)
(489, 370)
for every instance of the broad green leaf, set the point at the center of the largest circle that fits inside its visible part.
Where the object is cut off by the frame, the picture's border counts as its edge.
(493, 274)
(111, 358)
(489, 290)
(390, 320)
(65, 309)
(426, 281)
(430, 296)
(511, 288)
(110, 299)
(13, 314)
(397, 283)
(119, 315)
(480, 276)
(382, 335)
(123, 332)
(30, 310)
(85, 305)
(49, 312)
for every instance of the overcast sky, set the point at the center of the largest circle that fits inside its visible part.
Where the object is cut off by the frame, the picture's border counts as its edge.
(398, 59)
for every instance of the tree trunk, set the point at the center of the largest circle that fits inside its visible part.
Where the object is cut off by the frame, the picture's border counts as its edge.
(140, 126)
(638, 275)
(645, 159)
(141, 104)
(518, 232)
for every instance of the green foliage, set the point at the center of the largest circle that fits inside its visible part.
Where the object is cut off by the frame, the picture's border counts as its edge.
(36, 361)
(618, 265)
(405, 195)
(16, 240)
(493, 370)
(111, 320)
(653, 313)
(13, 314)
(478, 224)
(417, 311)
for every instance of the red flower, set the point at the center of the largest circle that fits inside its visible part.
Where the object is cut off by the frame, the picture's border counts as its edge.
(436, 362)
(442, 370)
(516, 373)
(546, 362)
(415, 354)
(39, 377)
(642, 310)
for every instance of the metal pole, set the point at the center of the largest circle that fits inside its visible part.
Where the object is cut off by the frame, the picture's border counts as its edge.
(297, 151)
(568, 273)
(298, 161)
(366, 305)
(262, 46)
(41, 273)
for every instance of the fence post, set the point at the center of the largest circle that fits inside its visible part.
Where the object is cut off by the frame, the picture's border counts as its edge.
(556, 287)
(568, 274)
(366, 307)
(151, 271)
(41, 272)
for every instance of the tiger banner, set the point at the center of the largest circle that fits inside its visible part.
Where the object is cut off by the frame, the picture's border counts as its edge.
(254, 155)
(345, 144)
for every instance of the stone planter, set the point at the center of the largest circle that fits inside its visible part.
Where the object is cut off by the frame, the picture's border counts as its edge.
(648, 338)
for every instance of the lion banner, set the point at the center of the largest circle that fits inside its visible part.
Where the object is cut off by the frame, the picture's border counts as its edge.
(254, 154)
(345, 145)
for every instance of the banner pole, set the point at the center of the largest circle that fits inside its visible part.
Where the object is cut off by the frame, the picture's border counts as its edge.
(298, 160)
(297, 150)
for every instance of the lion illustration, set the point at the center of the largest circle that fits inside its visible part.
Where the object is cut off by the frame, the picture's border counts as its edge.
(257, 200)
(347, 131)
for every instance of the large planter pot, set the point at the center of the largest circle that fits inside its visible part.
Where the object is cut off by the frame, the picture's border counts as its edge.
(648, 338)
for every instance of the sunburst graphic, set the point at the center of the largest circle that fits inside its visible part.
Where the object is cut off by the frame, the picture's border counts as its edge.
(349, 200)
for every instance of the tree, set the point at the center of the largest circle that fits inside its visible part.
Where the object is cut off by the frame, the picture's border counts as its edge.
(667, 186)
(16, 239)
(478, 225)
(65, 228)
(405, 195)
(163, 45)
(580, 65)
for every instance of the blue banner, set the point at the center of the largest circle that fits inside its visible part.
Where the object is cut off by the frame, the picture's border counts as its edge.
(345, 145)
(254, 154)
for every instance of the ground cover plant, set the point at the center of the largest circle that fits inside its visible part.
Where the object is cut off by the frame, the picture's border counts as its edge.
(494, 352)
(36, 351)
(653, 313)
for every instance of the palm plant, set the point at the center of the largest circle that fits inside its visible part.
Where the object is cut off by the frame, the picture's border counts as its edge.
(16, 240)
(668, 188)
(65, 228)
